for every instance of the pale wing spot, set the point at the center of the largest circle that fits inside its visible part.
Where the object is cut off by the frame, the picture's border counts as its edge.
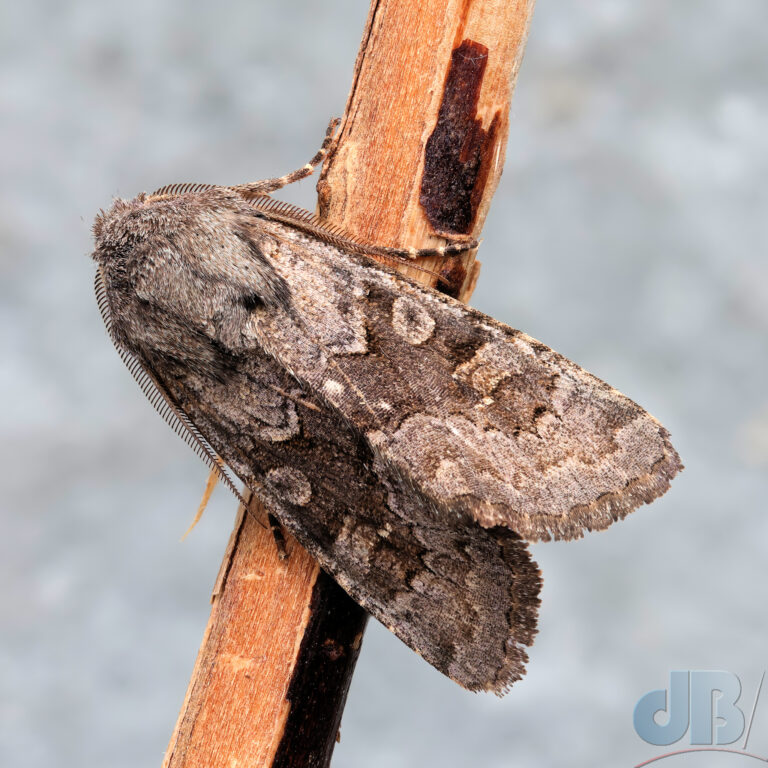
(491, 364)
(450, 477)
(356, 541)
(377, 439)
(547, 425)
(411, 321)
(291, 485)
(333, 387)
(384, 405)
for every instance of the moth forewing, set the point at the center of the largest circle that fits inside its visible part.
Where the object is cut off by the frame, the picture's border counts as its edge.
(410, 443)
(480, 417)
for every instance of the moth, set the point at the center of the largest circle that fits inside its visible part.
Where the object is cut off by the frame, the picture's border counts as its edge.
(411, 444)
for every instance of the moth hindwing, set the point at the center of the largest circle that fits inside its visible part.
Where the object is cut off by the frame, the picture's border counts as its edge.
(410, 443)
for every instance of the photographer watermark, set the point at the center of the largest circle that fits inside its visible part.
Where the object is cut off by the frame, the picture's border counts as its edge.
(702, 704)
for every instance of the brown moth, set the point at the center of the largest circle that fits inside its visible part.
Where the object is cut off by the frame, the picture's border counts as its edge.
(410, 443)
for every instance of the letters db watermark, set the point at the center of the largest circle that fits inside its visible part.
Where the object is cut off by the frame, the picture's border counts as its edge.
(703, 705)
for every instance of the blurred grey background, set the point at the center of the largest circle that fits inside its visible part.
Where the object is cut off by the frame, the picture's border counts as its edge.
(629, 233)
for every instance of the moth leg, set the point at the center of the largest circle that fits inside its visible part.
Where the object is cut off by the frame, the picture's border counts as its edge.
(278, 536)
(265, 186)
(298, 218)
(451, 274)
(451, 248)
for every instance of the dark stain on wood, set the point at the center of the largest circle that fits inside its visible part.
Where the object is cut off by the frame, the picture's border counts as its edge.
(459, 153)
(321, 678)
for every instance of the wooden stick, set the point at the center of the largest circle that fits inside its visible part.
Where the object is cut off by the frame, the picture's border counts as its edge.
(424, 134)
(276, 660)
(419, 154)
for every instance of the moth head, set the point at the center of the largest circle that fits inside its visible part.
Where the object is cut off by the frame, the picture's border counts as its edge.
(195, 254)
(108, 242)
(130, 224)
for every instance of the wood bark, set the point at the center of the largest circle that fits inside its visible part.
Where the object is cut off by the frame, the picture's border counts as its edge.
(418, 156)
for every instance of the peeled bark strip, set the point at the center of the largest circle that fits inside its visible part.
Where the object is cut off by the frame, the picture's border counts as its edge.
(419, 154)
